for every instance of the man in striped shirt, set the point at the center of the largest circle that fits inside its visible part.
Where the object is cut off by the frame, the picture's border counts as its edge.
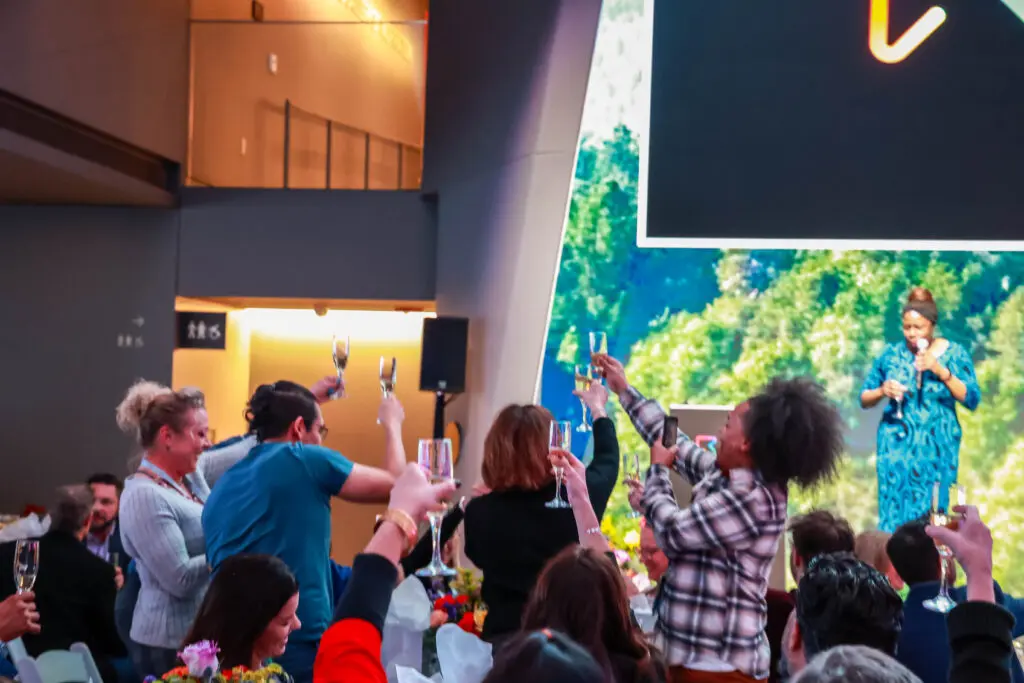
(711, 608)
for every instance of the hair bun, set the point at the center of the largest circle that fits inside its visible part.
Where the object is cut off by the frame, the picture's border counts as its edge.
(136, 402)
(920, 294)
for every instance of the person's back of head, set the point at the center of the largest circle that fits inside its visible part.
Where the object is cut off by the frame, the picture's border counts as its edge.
(275, 408)
(793, 432)
(72, 509)
(580, 593)
(516, 449)
(913, 554)
(544, 657)
(843, 601)
(818, 532)
(870, 549)
(855, 664)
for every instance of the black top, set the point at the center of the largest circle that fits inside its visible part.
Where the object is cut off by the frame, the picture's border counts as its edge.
(981, 643)
(368, 593)
(510, 535)
(75, 593)
(419, 557)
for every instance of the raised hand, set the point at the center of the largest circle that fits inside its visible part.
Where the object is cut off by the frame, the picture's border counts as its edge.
(613, 372)
(596, 398)
(18, 616)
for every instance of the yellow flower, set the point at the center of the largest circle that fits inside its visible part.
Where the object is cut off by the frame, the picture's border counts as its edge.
(632, 538)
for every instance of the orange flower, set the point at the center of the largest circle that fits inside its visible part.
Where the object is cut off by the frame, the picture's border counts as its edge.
(462, 600)
(179, 672)
(468, 623)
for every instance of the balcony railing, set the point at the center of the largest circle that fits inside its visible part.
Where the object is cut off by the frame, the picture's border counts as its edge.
(363, 160)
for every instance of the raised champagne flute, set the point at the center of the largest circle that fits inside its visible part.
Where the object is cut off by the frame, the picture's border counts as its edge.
(598, 345)
(631, 472)
(435, 459)
(560, 440)
(388, 378)
(584, 376)
(942, 514)
(26, 565)
(339, 354)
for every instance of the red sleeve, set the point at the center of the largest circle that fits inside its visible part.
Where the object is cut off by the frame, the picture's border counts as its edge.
(349, 653)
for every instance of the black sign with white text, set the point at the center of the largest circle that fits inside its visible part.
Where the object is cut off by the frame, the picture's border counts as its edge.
(201, 330)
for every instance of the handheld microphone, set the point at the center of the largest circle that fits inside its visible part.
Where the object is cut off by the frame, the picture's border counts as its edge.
(922, 346)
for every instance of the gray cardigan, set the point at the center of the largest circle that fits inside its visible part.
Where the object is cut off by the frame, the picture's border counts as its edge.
(163, 531)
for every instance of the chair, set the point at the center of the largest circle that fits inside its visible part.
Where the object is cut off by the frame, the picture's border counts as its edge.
(56, 666)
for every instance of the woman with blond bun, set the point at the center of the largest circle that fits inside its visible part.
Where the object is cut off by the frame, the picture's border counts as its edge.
(161, 518)
(923, 377)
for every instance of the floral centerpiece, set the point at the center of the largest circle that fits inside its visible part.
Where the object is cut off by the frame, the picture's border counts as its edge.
(458, 604)
(202, 666)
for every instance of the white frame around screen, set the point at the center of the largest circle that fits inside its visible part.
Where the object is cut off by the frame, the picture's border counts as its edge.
(644, 241)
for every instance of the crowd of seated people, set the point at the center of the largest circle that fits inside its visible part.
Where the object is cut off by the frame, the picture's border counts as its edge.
(198, 545)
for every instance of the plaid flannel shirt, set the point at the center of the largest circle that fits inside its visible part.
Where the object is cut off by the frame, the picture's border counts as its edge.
(720, 549)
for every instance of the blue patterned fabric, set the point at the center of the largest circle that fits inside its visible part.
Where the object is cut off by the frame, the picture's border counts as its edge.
(921, 445)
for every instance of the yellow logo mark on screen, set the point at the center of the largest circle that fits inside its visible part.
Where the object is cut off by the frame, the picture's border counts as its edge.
(878, 32)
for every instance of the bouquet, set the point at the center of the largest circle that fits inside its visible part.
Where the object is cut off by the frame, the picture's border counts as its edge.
(461, 605)
(202, 666)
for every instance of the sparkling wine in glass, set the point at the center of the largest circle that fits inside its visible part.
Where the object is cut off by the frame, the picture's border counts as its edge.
(598, 345)
(435, 459)
(559, 439)
(584, 376)
(339, 354)
(631, 472)
(942, 514)
(26, 565)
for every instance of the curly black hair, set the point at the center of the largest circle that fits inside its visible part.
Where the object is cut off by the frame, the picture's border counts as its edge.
(794, 432)
(843, 601)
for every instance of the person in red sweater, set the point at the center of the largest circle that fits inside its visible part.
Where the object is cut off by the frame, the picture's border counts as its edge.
(350, 649)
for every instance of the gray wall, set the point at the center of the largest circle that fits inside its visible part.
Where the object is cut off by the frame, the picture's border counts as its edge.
(307, 243)
(504, 104)
(118, 65)
(72, 280)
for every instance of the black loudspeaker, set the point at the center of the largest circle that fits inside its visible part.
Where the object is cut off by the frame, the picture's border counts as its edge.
(443, 355)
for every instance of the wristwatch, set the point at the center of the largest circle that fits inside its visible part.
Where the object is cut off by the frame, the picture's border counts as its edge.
(404, 522)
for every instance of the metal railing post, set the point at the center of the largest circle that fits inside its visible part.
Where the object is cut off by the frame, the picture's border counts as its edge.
(327, 175)
(366, 164)
(401, 148)
(287, 138)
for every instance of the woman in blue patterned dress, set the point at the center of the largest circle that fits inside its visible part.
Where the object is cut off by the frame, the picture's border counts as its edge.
(919, 435)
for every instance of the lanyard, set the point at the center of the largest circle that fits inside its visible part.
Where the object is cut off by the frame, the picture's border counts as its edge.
(160, 481)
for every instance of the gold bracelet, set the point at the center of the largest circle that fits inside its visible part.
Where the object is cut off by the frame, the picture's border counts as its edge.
(405, 524)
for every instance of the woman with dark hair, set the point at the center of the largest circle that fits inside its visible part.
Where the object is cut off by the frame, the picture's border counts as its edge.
(160, 518)
(924, 377)
(545, 656)
(249, 611)
(582, 594)
(509, 533)
(277, 501)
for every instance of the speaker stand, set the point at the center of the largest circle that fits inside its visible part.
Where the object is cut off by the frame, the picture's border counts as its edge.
(439, 404)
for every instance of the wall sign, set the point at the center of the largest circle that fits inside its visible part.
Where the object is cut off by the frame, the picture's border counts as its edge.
(201, 330)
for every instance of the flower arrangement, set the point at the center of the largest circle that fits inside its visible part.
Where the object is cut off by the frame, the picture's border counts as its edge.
(201, 665)
(459, 604)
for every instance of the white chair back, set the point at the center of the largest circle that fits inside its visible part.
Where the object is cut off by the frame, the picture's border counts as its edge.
(56, 666)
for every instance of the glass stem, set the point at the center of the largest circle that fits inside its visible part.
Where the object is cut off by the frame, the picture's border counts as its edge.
(435, 534)
(583, 405)
(558, 484)
(943, 581)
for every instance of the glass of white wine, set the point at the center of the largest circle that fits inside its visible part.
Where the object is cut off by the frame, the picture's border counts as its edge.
(388, 378)
(584, 376)
(26, 565)
(559, 440)
(435, 459)
(631, 472)
(339, 354)
(942, 514)
(598, 346)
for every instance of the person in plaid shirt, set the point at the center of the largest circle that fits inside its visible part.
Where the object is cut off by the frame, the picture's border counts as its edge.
(711, 608)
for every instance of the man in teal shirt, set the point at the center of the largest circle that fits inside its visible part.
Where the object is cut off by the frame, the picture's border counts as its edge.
(277, 501)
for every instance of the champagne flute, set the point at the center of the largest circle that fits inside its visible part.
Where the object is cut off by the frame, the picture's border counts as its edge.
(435, 459)
(598, 345)
(631, 472)
(388, 378)
(942, 514)
(339, 354)
(559, 439)
(584, 376)
(26, 565)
